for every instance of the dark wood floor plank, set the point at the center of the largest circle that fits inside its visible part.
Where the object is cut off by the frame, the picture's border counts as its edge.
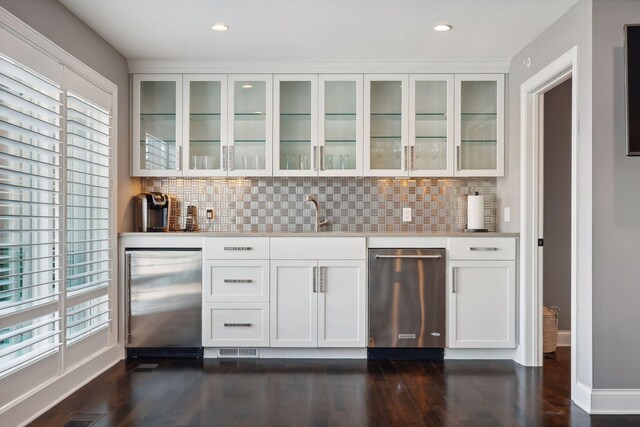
(320, 393)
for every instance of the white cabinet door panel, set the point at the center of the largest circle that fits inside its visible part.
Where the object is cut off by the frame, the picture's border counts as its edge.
(235, 281)
(341, 304)
(293, 304)
(482, 304)
(233, 324)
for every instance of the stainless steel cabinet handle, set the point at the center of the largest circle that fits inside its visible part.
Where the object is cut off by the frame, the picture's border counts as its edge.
(406, 158)
(458, 157)
(409, 256)
(453, 280)
(321, 158)
(314, 152)
(224, 158)
(237, 325)
(127, 273)
(238, 280)
(231, 152)
(321, 278)
(179, 157)
(481, 249)
(238, 248)
(412, 158)
(315, 279)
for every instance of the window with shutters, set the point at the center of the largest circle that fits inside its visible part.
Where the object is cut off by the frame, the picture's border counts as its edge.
(56, 239)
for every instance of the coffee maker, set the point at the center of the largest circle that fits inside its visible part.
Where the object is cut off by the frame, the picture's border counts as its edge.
(152, 211)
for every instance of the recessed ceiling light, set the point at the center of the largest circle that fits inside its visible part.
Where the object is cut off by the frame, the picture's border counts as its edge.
(442, 27)
(247, 86)
(220, 27)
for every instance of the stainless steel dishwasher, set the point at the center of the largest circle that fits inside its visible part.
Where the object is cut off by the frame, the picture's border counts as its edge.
(407, 294)
(164, 302)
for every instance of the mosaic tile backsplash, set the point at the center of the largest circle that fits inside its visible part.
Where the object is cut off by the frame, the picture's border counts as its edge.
(350, 204)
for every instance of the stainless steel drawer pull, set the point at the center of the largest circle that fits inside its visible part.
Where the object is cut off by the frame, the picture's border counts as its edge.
(238, 280)
(479, 249)
(409, 256)
(238, 325)
(237, 248)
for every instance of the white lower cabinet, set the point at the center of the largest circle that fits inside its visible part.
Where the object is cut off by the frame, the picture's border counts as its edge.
(318, 303)
(318, 292)
(482, 304)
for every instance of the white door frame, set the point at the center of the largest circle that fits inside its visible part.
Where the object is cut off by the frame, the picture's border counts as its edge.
(531, 161)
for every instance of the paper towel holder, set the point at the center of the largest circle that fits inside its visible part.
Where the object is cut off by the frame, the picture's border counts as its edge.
(474, 230)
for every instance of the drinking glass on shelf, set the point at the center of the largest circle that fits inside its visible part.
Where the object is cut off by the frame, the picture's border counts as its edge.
(347, 161)
(341, 162)
(330, 161)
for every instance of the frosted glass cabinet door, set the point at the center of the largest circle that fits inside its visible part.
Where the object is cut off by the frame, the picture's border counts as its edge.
(295, 126)
(431, 143)
(157, 127)
(479, 125)
(204, 125)
(250, 125)
(340, 132)
(386, 124)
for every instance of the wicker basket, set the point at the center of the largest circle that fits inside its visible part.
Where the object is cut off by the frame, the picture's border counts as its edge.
(550, 329)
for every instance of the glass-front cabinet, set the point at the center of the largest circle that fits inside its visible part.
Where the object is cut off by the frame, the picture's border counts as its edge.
(431, 125)
(250, 125)
(204, 125)
(295, 126)
(340, 133)
(386, 124)
(157, 124)
(479, 125)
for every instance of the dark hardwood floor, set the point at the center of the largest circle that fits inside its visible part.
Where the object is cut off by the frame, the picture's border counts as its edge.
(266, 392)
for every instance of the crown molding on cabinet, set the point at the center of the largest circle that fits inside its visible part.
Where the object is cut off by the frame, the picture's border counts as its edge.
(316, 66)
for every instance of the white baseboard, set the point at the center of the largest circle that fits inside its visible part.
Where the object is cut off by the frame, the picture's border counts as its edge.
(615, 401)
(564, 338)
(40, 401)
(581, 396)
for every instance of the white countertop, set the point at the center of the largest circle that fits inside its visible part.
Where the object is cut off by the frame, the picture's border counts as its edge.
(318, 234)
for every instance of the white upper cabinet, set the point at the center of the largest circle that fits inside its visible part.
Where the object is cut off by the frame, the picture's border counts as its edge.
(157, 125)
(386, 124)
(431, 143)
(479, 122)
(340, 134)
(295, 127)
(204, 125)
(250, 125)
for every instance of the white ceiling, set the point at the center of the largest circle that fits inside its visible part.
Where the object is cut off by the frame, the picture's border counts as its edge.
(316, 30)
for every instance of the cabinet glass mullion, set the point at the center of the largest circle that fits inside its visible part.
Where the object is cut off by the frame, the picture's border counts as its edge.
(251, 127)
(205, 125)
(386, 129)
(341, 126)
(431, 127)
(157, 127)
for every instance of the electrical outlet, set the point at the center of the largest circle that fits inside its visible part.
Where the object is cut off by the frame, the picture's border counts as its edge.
(507, 214)
(209, 213)
(406, 214)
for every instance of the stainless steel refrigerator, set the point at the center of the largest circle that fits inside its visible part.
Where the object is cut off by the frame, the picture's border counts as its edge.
(164, 302)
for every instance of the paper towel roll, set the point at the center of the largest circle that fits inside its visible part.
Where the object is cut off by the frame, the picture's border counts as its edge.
(475, 212)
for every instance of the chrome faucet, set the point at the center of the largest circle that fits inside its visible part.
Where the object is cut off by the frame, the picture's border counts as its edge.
(319, 224)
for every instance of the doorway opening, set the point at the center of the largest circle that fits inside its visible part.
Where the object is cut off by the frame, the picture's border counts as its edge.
(532, 192)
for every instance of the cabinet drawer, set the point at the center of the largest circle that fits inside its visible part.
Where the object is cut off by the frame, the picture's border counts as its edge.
(233, 324)
(236, 281)
(483, 248)
(236, 248)
(318, 248)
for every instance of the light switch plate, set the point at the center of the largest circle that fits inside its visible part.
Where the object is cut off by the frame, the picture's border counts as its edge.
(406, 214)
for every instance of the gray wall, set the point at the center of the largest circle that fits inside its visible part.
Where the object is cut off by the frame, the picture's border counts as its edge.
(557, 201)
(59, 25)
(572, 29)
(616, 214)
